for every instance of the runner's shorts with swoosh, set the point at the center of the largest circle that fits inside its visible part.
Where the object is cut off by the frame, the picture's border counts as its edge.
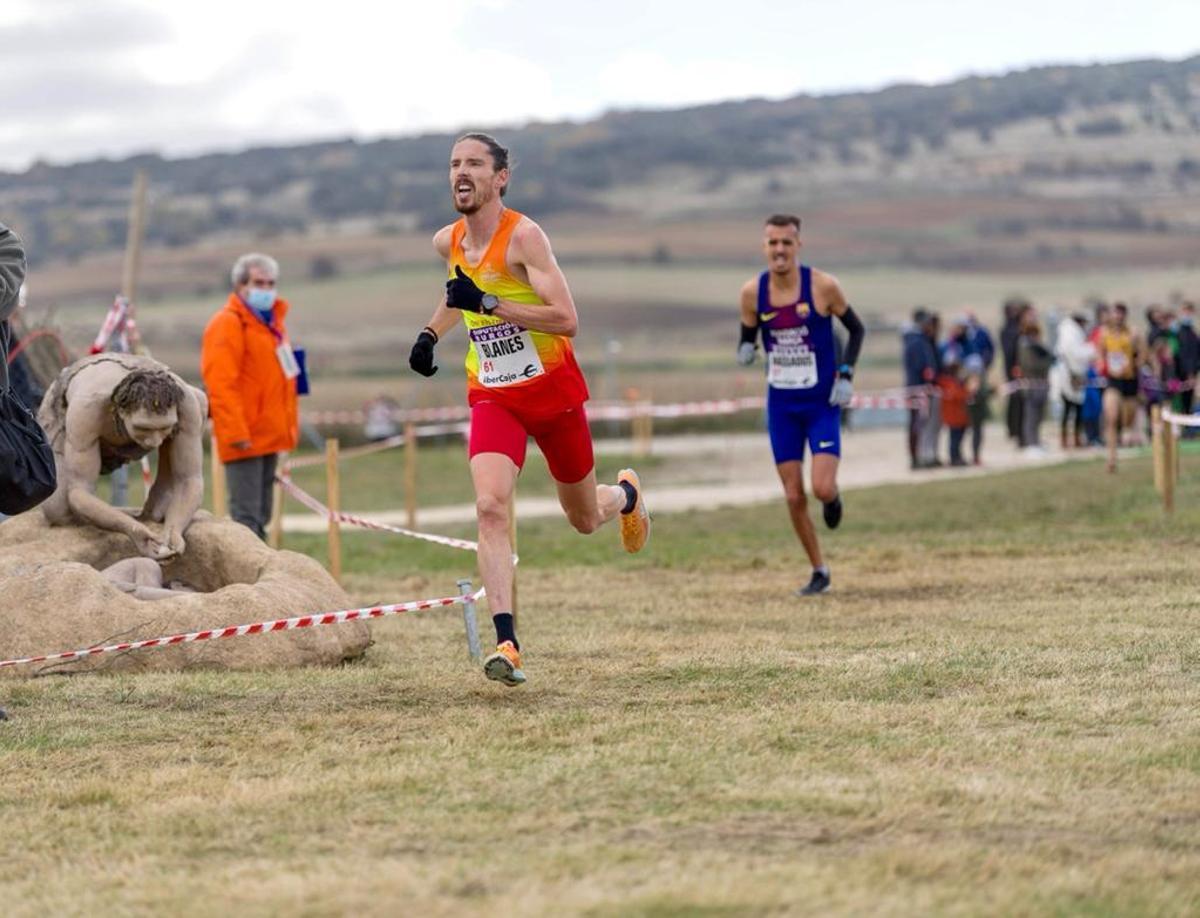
(792, 425)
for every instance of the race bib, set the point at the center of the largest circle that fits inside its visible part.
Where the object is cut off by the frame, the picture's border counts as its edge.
(506, 355)
(287, 360)
(792, 367)
(1118, 363)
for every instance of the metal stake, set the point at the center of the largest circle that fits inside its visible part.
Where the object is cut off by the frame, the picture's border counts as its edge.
(469, 621)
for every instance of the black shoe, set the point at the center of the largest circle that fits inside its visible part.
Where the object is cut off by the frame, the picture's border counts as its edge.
(818, 584)
(832, 512)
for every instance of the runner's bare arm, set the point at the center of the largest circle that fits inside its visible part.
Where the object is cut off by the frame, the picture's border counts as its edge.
(828, 294)
(81, 468)
(530, 250)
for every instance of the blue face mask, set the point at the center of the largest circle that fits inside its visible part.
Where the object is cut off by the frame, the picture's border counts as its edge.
(260, 300)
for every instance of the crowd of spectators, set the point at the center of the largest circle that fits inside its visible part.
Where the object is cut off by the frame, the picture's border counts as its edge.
(1089, 368)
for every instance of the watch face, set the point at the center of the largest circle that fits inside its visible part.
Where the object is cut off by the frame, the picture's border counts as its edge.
(490, 301)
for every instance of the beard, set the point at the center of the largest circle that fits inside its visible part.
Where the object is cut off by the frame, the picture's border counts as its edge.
(480, 197)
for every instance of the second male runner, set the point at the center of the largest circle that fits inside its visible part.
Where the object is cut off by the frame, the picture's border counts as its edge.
(793, 306)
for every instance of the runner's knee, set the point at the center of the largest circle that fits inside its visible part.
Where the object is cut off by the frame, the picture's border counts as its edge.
(796, 499)
(582, 522)
(491, 511)
(824, 491)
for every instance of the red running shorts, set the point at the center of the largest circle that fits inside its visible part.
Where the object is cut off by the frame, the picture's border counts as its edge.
(563, 438)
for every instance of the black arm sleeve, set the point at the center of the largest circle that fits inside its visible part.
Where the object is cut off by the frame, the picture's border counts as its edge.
(855, 327)
(749, 334)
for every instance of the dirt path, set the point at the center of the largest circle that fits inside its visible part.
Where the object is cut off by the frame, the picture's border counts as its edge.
(736, 469)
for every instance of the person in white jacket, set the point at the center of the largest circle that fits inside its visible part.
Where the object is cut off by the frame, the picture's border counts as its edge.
(1068, 377)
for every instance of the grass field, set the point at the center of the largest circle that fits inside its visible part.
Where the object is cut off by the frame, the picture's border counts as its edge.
(996, 711)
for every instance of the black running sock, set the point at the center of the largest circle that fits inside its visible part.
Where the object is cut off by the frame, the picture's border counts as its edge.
(505, 628)
(630, 496)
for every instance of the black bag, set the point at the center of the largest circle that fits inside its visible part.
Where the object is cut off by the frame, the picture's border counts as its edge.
(26, 461)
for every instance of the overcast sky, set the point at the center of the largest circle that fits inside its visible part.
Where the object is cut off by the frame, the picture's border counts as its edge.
(87, 78)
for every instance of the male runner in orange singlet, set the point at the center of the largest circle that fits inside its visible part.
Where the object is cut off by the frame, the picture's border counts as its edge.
(522, 378)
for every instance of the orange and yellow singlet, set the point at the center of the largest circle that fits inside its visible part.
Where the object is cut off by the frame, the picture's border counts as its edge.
(534, 372)
(1116, 348)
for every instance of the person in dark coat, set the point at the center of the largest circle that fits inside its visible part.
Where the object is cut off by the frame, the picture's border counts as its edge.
(1014, 309)
(1187, 360)
(920, 370)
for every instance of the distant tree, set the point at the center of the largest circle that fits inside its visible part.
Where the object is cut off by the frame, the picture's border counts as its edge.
(1107, 126)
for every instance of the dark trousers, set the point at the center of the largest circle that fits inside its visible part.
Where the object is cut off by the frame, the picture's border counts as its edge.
(1072, 435)
(1033, 408)
(1187, 399)
(977, 411)
(1013, 417)
(915, 420)
(250, 482)
(956, 443)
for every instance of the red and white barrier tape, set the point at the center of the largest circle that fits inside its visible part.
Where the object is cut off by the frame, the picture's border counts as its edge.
(320, 509)
(887, 398)
(400, 416)
(282, 624)
(1181, 420)
(114, 322)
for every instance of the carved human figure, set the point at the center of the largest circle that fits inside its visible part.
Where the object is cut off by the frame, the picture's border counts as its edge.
(143, 579)
(110, 409)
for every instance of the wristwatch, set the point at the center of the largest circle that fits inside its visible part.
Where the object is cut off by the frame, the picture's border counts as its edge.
(488, 303)
(846, 371)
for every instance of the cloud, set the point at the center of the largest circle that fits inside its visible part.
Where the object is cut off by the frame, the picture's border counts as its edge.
(110, 77)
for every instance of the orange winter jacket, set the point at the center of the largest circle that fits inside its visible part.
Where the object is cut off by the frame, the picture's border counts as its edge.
(249, 396)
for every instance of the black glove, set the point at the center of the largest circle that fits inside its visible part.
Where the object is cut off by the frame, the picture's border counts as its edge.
(421, 358)
(461, 292)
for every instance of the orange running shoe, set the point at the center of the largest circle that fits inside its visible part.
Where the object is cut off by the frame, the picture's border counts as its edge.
(635, 525)
(504, 665)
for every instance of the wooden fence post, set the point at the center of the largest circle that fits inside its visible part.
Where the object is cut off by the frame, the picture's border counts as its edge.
(1157, 449)
(1170, 456)
(641, 422)
(275, 531)
(217, 473)
(333, 500)
(132, 265)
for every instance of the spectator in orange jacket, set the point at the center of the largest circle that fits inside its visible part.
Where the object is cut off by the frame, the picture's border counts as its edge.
(955, 415)
(250, 372)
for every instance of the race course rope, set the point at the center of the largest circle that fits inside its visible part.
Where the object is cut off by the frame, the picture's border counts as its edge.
(285, 481)
(911, 397)
(282, 624)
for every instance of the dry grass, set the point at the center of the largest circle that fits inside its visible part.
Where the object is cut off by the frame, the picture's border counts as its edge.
(994, 712)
